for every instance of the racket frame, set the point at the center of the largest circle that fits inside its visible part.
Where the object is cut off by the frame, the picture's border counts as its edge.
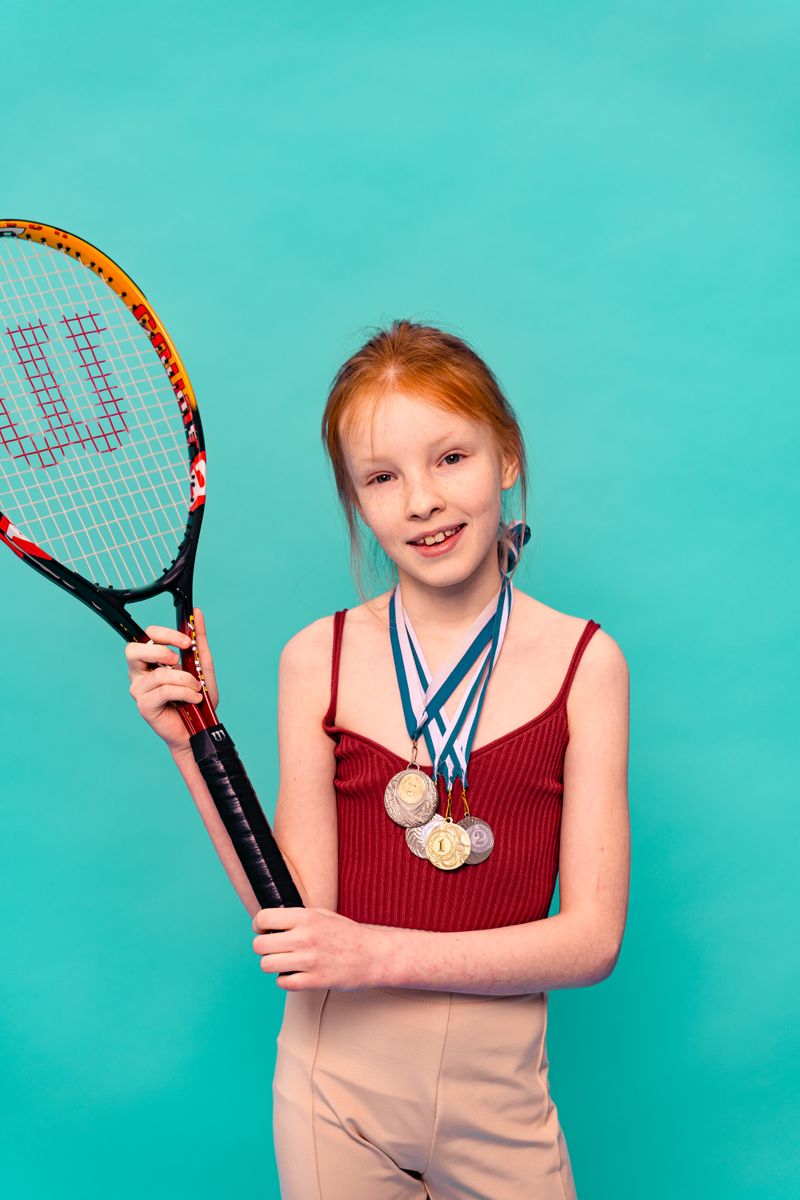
(212, 746)
(110, 602)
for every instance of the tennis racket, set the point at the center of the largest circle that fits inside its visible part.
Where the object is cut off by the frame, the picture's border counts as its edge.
(103, 476)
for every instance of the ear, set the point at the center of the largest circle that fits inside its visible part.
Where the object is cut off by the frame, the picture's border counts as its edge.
(510, 471)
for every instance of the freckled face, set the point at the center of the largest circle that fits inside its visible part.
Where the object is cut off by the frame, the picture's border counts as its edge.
(417, 468)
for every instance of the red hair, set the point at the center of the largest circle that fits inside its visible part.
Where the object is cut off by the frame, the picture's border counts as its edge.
(418, 360)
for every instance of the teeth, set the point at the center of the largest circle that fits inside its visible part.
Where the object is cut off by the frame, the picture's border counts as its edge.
(433, 541)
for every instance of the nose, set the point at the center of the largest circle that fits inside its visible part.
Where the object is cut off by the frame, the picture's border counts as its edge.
(423, 496)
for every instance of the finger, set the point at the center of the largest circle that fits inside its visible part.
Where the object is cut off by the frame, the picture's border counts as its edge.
(295, 981)
(167, 692)
(274, 943)
(168, 675)
(206, 661)
(141, 654)
(167, 637)
(277, 918)
(272, 964)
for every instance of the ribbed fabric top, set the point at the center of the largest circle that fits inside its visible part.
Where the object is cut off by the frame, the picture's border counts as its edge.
(515, 783)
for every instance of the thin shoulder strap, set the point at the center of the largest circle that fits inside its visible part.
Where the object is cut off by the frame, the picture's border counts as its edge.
(338, 626)
(587, 633)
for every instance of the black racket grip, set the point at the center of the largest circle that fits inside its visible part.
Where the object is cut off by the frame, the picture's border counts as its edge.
(248, 828)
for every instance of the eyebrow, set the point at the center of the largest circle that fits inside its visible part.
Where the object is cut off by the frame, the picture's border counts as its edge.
(447, 437)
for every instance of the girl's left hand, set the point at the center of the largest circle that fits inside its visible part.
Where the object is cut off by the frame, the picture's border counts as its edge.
(326, 949)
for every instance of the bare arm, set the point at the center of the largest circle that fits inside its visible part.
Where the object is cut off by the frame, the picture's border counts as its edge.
(157, 681)
(184, 760)
(580, 944)
(305, 814)
(305, 823)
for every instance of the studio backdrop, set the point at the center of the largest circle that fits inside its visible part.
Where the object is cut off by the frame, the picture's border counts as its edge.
(602, 199)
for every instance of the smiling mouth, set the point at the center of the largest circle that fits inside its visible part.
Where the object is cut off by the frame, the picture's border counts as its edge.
(439, 538)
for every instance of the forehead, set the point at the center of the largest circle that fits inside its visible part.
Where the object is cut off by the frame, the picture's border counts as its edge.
(378, 425)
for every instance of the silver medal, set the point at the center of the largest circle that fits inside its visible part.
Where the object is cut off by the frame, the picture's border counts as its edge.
(481, 836)
(411, 797)
(417, 836)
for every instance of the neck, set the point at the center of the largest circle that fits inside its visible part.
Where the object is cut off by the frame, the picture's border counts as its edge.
(435, 610)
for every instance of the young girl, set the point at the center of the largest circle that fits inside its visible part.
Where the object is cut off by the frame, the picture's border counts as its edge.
(446, 748)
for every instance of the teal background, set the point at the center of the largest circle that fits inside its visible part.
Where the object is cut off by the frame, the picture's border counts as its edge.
(603, 199)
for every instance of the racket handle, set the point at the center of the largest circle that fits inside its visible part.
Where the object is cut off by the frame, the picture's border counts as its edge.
(243, 817)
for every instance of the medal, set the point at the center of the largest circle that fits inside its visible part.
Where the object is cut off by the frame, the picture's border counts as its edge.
(417, 837)
(481, 838)
(481, 835)
(447, 845)
(411, 796)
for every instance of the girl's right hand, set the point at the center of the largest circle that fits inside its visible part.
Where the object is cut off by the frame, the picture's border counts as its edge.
(154, 687)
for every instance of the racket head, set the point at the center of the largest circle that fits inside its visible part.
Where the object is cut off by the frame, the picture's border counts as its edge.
(102, 455)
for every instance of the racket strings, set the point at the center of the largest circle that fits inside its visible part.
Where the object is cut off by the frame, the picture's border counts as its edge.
(29, 347)
(93, 455)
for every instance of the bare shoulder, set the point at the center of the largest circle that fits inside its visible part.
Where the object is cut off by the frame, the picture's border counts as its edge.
(602, 665)
(539, 619)
(304, 670)
(367, 624)
(310, 644)
(311, 647)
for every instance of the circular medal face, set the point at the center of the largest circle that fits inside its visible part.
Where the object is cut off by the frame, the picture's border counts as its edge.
(447, 845)
(411, 797)
(481, 838)
(416, 837)
(411, 788)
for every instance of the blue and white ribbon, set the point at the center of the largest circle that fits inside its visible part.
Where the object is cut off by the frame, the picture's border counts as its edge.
(423, 695)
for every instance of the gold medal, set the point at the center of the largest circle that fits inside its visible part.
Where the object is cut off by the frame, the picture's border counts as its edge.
(448, 845)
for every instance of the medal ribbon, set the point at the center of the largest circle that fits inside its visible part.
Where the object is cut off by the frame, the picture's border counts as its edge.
(423, 695)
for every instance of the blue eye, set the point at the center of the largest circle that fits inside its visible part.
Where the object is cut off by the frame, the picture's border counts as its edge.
(454, 454)
(383, 475)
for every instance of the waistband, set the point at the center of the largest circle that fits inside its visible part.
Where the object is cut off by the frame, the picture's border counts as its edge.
(431, 996)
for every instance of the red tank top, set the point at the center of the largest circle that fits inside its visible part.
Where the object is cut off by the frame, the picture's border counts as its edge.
(515, 783)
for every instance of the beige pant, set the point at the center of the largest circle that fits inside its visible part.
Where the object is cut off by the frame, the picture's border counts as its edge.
(405, 1093)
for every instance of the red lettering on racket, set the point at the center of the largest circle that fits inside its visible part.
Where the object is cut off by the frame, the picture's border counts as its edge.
(15, 540)
(197, 494)
(186, 412)
(144, 316)
(165, 352)
(62, 429)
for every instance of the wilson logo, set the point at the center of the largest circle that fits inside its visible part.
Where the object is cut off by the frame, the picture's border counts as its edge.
(61, 428)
